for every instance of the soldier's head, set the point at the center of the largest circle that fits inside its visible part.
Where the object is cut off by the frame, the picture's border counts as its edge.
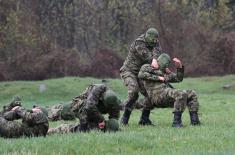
(111, 125)
(163, 61)
(151, 37)
(111, 99)
(16, 101)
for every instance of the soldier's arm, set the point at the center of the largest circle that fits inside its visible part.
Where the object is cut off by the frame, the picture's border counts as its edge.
(10, 115)
(175, 77)
(157, 51)
(31, 117)
(146, 73)
(142, 50)
(92, 102)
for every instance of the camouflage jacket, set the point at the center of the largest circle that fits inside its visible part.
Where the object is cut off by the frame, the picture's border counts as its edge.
(33, 124)
(139, 53)
(93, 104)
(150, 77)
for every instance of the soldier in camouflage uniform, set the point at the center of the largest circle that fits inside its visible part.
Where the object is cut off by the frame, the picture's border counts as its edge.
(143, 50)
(96, 100)
(34, 122)
(156, 82)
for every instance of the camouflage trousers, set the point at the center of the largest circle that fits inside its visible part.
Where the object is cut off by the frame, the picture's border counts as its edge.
(134, 86)
(175, 98)
(63, 128)
(15, 129)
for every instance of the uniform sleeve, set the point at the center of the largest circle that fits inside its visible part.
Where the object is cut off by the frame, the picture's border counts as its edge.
(157, 51)
(175, 77)
(146, 73)
(10, 115)
(31, 118)
(92, 102)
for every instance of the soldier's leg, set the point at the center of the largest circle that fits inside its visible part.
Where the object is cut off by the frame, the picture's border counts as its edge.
(10, 129)
(133, 90)
(180, 100)
(193, 106)
(148, 106)
(63, 128)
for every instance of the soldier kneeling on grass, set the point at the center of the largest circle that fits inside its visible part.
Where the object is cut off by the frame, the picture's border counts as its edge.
(96, 100)
(156, 82)
(34, 122)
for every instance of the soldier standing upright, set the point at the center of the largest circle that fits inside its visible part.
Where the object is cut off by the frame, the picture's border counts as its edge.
(143, 50)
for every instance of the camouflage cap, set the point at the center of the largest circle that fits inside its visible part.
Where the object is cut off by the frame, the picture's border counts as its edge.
(16, 101)
(66, 112)
(163, 60)
(112, 125)
(150, 36)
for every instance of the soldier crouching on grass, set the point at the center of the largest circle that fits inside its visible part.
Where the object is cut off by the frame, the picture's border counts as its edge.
(96, 100)
(34, 122)
(156, 82)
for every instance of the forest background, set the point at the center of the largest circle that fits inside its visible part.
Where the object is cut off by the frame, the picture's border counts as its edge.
(55, 38)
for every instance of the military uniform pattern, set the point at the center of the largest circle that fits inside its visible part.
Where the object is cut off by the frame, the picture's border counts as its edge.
(161, 95)
(89, 107)
(33, 124)
(139, 54)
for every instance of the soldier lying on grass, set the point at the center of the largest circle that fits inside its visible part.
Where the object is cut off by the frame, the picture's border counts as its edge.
(96, 100)
(34, 121)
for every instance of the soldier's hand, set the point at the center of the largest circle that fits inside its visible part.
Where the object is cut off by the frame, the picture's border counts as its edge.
(101, 125)
(161, 78)
(168, 71)
(36, 110)
(16, 107)
(177, 62)
(154, 64)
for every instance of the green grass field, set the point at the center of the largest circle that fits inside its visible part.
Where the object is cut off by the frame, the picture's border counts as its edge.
(216, 135)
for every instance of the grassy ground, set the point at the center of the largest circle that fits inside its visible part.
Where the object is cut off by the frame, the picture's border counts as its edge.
(215, 136)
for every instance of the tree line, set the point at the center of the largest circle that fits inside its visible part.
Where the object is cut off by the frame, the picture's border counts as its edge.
(55, 38)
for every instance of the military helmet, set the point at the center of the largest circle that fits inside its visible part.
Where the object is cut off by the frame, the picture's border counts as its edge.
(111, 98)
(66, 112)
(112, 125)
(16, 101)
(163, 60)
(150, 36)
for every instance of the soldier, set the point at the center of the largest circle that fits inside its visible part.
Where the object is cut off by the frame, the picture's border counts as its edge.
(96, 100)
(161, 94)
(143, 50)
(34, 123)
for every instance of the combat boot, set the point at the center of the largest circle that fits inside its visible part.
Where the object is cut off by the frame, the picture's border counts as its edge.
(194, 118)
(144, 119)
(177, 122)
(125, 117)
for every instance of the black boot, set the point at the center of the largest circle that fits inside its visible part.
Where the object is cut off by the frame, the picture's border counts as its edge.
(194, 118)
(177, 122)
(125, 117)
(144, 119)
